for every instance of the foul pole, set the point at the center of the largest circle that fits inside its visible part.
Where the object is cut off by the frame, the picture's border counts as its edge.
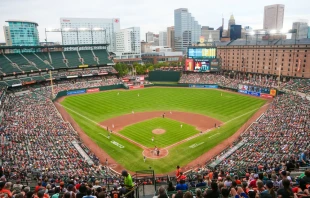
(51, 78)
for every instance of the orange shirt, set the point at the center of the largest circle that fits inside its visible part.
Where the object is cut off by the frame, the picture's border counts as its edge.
(6, 191)
(211, 175)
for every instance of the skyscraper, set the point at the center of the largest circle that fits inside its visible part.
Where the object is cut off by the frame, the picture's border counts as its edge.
(231, 21)
(85, 31)
(162, 38)
(235, 32)
(187, 29)
(170, 37)
(21, 33)
(301, 30)
(273, 17)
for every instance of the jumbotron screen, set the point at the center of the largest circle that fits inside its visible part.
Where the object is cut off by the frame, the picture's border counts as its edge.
(202, 65)
(201, 52)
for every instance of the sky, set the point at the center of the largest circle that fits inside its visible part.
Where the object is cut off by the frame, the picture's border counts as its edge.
(154, 16)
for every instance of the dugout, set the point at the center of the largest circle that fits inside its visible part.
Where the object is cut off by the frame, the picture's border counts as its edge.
(164, 76)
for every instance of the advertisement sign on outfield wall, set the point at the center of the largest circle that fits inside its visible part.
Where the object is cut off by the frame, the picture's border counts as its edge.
(268, 96)
(252, 93)
(81, 91)
(92, 90)
(136, 86)
(204, 86)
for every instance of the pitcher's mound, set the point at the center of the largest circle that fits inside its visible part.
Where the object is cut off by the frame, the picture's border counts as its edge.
(159, 131)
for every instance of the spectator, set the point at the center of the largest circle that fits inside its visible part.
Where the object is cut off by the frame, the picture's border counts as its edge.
(3, 191)
(89, 194)
(162, 192)
(182, 186)
(170, 187)
(286, 191)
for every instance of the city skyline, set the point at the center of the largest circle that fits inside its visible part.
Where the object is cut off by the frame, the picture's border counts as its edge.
(138, 13)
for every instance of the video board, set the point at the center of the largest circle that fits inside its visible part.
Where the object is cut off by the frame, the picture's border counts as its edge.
(202, 65)
(201, 52)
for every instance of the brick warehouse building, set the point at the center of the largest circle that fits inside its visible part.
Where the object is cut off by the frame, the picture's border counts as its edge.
(265, 57)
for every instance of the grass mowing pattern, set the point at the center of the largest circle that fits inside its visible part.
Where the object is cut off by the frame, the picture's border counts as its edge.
(142, 132)
(104, 105)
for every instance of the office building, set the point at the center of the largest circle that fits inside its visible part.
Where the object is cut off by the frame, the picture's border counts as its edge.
(187, 30)
(170, 37)
(78, 31)
(128, 40)
(215, 34)
(21, 33)
(273, 17)
(301, 30)
(235, 32)
(162, 38)
(231, 22)
(308, 32)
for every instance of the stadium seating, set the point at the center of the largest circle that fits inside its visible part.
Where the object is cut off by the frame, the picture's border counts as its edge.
(39, 62)
(57, 60)
(7, 66)
(88, 57)
(103, 56)
(22, 63)
(73, 58)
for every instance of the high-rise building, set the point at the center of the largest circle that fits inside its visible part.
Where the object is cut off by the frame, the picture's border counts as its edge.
(162, 38)
(170, 37)
(149, 37)
(308, 32)
(231, 22)
(21, 33)
(128, 40)
(235, 32)
(301, 30)
(90, 31)
(273, 17)
(187, 30)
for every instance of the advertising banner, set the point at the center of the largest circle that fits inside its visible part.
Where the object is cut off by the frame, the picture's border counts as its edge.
(252, 93)
(92, 90)
(136, 86)
(189, 65)
(268, 96)
(273, 92)
(72, 76)
(204, 86)
(81, 91)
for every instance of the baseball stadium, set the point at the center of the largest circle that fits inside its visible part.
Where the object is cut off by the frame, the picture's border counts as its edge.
(71, 117)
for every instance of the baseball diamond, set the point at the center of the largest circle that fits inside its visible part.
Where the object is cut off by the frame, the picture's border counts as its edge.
(194, 120)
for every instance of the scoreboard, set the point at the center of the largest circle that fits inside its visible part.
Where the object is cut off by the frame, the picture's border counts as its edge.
(202, 52)
(202, 59)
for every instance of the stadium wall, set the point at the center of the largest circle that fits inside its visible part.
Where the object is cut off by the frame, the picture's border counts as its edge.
(164, 76)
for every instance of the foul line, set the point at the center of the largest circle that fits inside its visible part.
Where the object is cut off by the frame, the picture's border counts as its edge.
(180, 142)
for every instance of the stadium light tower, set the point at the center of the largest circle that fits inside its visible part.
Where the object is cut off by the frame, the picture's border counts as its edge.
(76, 30)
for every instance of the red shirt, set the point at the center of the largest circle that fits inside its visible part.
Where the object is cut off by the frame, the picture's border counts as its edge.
(253, 184)
(178, 172)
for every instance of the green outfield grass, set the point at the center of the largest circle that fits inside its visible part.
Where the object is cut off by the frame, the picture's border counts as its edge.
(232, 109)
(142, 132)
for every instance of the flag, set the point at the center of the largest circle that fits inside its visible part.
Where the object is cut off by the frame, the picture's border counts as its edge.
(299, 62)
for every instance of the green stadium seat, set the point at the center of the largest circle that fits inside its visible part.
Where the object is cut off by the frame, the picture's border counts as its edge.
(7, 67)
(22, 63)
(103, 56)
(13, 81)
(88, 57)
(38, 78)
(37, 61)
(73, 58)
(57, 60)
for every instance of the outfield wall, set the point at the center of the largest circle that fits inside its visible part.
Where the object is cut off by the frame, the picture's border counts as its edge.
(164, 76)
(88, 90)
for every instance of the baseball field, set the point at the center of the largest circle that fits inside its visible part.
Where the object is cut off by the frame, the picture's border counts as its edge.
(182, 123)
